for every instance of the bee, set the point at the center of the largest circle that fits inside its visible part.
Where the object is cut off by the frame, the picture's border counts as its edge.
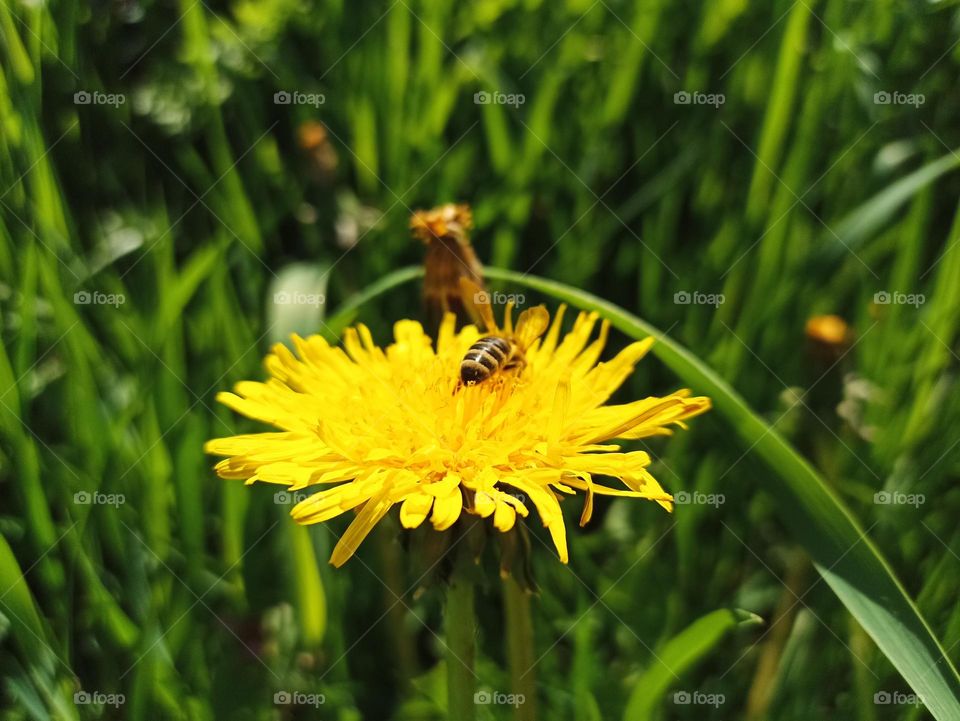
(500, 350)
(450, 256)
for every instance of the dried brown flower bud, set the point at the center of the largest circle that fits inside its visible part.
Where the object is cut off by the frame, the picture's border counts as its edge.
(450, 257)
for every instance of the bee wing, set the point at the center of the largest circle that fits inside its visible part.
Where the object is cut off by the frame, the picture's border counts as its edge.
(531, 324)
(477, 303)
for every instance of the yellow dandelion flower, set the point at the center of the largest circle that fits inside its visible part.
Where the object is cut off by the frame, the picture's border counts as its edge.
(376, 428)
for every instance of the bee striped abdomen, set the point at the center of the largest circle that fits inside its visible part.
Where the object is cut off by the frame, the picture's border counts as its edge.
(485, 357)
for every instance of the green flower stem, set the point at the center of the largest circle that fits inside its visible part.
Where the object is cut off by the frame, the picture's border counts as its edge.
(461, 648)
(520, 645)
(391, 565)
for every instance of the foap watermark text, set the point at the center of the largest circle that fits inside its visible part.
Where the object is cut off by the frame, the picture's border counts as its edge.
(86, 297)
(699, 698)
(684, 297)
(895, 297)
(485, 697)
(496, 298)
(84, 698)
(685, 97)
(295, 97)
(696, 498)
(296, 298)
(86, 97)
(896, 498)
(895, 97)
(86, 498)
(897, 698)
(286, 498)
(497, 98)
(298, 698)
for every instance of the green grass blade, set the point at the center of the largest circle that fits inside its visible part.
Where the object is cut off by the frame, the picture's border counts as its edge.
(310, 595)
(347, 311)
(779, 113)
(18, 57)
(866, 219)
(679, 654)
(19, 607)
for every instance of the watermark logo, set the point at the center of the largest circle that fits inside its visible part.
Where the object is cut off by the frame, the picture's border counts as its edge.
(697, 98)
(286, 498)
(497, 98)
(297, 298)
(684, 297)
(85, 297)
(895, 297)
(897, 698)
(284, 97)
(698, 698)
(298, 698)
(485, 697)
(85, 498)
(85, 97)
(685, 498)
(495, 298)
(895, 97)
(896, 498)
(84, 698)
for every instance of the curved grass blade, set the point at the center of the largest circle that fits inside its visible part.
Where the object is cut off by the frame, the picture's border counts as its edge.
(841, 551)
(335, 324)
(680, 653)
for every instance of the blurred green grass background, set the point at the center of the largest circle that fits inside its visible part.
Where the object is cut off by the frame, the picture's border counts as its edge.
(148, 223)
